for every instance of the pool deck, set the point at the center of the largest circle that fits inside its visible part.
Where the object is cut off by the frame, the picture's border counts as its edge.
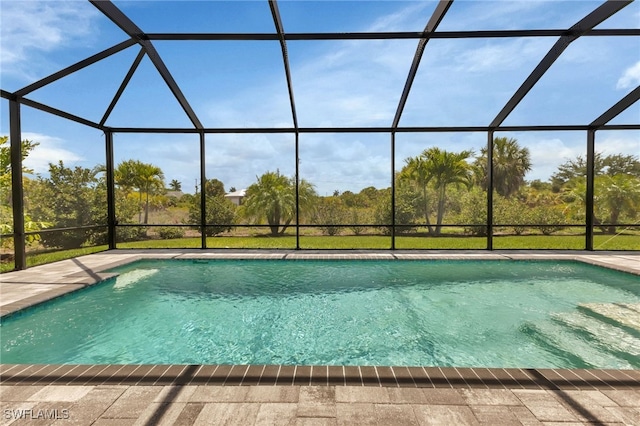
(313, 395)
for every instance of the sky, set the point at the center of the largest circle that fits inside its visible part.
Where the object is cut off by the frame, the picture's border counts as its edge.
(336, 83)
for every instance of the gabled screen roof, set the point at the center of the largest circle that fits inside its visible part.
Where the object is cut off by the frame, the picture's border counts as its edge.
(364, 65)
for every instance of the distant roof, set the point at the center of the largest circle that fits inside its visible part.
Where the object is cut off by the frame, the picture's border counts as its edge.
(239, 193)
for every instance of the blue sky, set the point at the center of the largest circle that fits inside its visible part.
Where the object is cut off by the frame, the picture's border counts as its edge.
(336, 83)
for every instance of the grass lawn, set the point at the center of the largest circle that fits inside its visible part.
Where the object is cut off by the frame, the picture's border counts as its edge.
(568, 242)
(34, 259)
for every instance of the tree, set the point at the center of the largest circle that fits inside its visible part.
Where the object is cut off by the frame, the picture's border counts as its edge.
(609, 165)
(175, 185)
(416, 172)
(126, 209)
(5, 165)
(144, 177)
(405, 211)
(151, 179)
(441, 169)
(273, 197)
(64, 199)
(447, 168)
(510, 164)
(473, 212)
(5, 154)
(616, 188)
(6, 213)
(221, 212)
(618, 195)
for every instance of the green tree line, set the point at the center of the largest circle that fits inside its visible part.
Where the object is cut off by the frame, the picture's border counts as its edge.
(433, 189)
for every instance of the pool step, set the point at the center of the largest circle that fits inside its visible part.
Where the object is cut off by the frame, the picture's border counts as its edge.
(626, 314)
(569, 343)
(129, 278)
(608, 336)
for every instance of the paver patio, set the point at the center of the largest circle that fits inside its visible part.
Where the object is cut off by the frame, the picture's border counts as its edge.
(317, 395)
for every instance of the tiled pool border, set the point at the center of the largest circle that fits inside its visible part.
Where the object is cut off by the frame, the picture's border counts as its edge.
(70, 275)
(286, 375)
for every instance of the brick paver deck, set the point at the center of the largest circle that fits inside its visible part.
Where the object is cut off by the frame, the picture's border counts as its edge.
(313, 395)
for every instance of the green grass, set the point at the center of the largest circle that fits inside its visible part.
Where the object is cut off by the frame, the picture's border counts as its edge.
(346, 242)
(435, 243)
(570, 242)
(34, 259)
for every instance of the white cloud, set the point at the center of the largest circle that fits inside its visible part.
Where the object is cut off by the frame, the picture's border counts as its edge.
(544, 163)
(30, 28)
(627, 143)
(500, 55)
(50, 150)
(630, 77)
(485, 15)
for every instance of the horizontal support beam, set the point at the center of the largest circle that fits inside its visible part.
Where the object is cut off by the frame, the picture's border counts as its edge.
(383, 35)
(292, 130)
(7, 95)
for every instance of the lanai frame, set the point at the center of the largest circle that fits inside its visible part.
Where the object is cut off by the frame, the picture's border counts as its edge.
(584, 27)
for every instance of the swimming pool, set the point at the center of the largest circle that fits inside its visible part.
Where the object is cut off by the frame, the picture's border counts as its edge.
(536, 314)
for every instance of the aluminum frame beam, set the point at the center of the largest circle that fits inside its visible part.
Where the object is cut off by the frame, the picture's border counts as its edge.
(17, 195)
(59, 113)
(75, 67)
(624, 103)
(437, 16)
(123, 21)
(590, 190)
(583, 26)
(111, 193)
(382, 35)
(270, 130)
(123, 86)
(275, 13)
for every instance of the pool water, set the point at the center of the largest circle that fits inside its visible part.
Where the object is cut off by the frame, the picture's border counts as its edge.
(528, 314)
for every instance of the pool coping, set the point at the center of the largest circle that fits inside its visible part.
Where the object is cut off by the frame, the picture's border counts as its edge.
(64, 277)
(289, 375)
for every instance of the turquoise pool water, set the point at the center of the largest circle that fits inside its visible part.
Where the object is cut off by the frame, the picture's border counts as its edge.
(535, 314)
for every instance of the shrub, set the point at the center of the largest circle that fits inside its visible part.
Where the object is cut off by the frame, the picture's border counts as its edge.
(170, 232)
(550, 218)
(473, 212)
(328, 213)
(220, 215)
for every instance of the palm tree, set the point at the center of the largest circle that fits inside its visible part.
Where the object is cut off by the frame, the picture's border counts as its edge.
(125, 174)
(150, 179)
(144, 177)
(619, 194)
(439, 168)
(175, 185)
(273, 197)
(416, 171)
(446, 168)
(510, 164)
